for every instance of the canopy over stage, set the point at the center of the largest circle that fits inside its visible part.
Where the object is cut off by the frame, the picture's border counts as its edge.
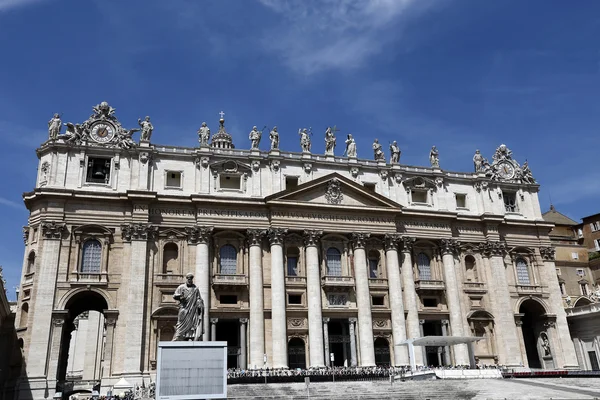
(440, 341)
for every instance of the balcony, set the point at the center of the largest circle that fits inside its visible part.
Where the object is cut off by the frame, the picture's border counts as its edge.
(87, 278)
(474, 287)
(529, 289)
(341, 283)
(298, 281)
(378, 283)
(593, 308)
(429, 285)
(230, 282)
(168, 279)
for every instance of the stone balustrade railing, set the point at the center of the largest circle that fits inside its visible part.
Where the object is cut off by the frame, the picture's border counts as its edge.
(423, 284)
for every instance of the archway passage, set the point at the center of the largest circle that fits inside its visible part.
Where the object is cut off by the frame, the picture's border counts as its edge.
(339, 342)
(79, 308)
(296, 353)
(532, 326)
(382, 352)
(228, 330)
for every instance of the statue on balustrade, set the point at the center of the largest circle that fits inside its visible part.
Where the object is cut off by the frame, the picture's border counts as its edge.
(478, 161)
(274, 136)
(254, 136)
(203, 135)
(434, 157)
(147, 129)
(350, 146)
(330, 140)
(377, 151)
(54, 126)
(305, 139)
(190, 317)
(395, 153)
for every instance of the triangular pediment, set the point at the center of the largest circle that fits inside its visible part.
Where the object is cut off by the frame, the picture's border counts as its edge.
(333, 190)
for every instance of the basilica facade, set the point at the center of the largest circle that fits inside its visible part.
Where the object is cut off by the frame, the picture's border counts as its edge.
(303, 260)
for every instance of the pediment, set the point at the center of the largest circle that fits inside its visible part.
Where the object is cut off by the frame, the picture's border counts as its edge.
(333, 190)
(230, 166)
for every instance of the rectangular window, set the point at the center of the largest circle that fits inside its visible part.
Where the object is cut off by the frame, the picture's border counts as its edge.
(373, 268)
(378, 300)
(292, 266)
(230, 182)
(557, 271)
(579, 232)
(597, 244)
(595, 226)
(584, 289)
(575, 256)
(228, 299)
(593, 361)
(562, 288)
(461, 200)
(510, 201)
(419, 196)
(291, 182)
(580, 272)
(173, 179)
(295, 299)
(98, 170)
(430, 302)
(369, 186)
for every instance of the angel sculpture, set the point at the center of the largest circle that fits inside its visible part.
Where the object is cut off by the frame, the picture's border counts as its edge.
(74, 133)
(125, 140)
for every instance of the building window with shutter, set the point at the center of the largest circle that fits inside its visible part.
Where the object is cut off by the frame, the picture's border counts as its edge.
(91, 257)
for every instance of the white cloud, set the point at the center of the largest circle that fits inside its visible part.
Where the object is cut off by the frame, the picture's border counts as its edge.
(13, 204)
(8, 5)
(318, 35)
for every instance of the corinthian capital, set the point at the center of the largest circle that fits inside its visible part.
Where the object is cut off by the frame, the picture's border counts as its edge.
(138, 231)
(198, 234)
(548, 253)
(491, 249)
(255, 236)
(449, 246)
(276, 235)
(407, 243)
(359, 239)
(53, 230)
(391, 241)
(311, 237)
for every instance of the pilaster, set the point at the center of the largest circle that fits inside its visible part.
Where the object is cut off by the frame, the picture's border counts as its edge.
(396, 303)
(257, 317)
(410, 295)
(278, 300)
(313, 294)
(363, 300)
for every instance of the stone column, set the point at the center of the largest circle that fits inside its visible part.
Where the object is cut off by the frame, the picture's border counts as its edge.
(566, 357)
(461, 352)
(507, 338)
(257, 315)
(243, 352)
(200, 237)
(326, 340)
(363, 301)
(313, 295)
(278, 300)
(353, 360)
(423, 351)
(410, 295)
(110, 320)
(41, 312)
(138, 235)
(396, 303)
(522, 351)
(58, 324)
(213, 328)
(446, 348)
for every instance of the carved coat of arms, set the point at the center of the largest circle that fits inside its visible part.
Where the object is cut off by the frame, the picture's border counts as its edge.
(334, 192)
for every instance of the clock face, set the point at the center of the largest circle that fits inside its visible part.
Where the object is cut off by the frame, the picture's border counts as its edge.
(506, 170)
(102, 132)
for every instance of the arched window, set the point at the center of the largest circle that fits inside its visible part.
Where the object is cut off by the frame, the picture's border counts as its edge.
(522, 272)
(373, 264)
(334, 262)
(424, 267)
(170, 257)
(293, 255)
(228, 258)
(31, 262)
(91, 257)
(471, 269)
(24, 315)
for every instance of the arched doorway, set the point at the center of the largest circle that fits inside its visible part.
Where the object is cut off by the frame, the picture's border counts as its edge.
(535, 338)
(382, 352)
(296, 353)
(78, 322)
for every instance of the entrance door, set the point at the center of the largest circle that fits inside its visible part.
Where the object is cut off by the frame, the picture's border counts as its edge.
(382, 352)
(532, 327)
(296, 354)
(434, 354)
(228, 330)
(594, 361)
(339, 342)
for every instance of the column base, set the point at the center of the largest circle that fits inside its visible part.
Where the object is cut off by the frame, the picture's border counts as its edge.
(36, 388)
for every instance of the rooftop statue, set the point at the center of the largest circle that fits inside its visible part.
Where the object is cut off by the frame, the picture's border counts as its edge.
(254, 137)
(54, 126)
(191, 311)
(434, 157)
(330, 141)
(305, 139)
(203, 135)
(478, 161)
(274, 137)
(395, 153)
(350, 147)
(147, 128)
(377, 150)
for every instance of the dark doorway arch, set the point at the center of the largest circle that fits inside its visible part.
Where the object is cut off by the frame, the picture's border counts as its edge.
(382, 352)
(532, 326)
(296, 353)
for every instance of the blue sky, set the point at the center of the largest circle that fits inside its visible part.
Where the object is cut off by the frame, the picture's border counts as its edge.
(460, 75)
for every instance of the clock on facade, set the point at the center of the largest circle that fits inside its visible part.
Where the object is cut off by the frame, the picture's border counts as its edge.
(506, 170)
(102, 132)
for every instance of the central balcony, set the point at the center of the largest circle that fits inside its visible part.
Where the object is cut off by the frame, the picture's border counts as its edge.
(343, 283)
(474, 287)
(299, 281)
(378, 283)
(429, 285)
(226, 282)
(529, 289)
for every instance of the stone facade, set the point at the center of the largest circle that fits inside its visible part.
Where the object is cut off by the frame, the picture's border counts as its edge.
(302, 260)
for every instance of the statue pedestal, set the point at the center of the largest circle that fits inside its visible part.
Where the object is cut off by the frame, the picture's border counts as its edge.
(255, 152)
(352, 160)
(329, 157)
(274, 152)
(548, 362)
(381, 163)
(191, 370)
(307, 155)
(205, 149)
(396, 167)
(144, 143)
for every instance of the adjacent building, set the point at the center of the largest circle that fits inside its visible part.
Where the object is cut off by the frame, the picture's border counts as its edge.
(303, 260)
